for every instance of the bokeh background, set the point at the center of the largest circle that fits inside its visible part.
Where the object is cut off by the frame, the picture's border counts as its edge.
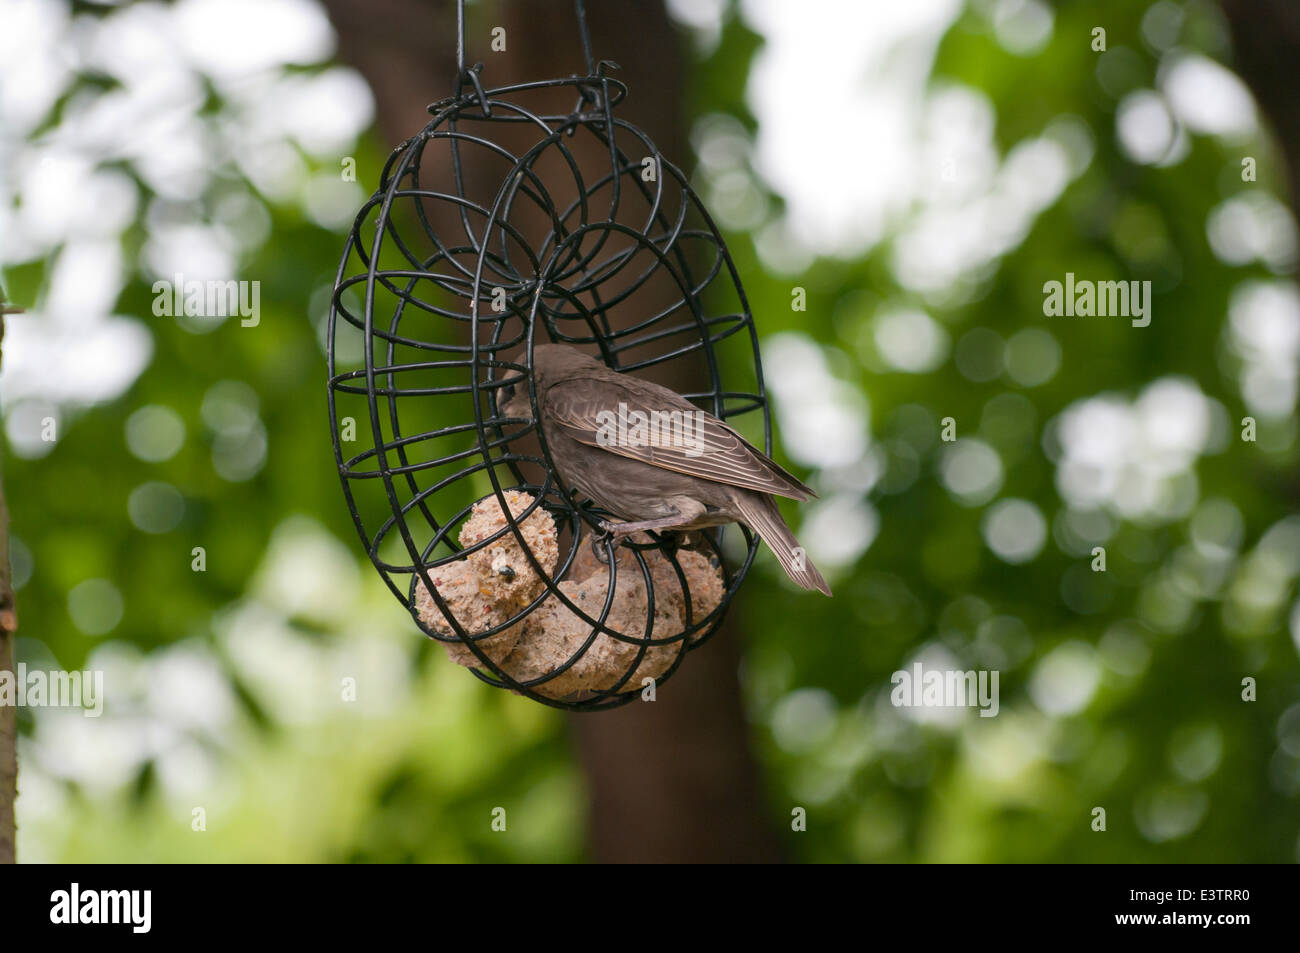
(921, 169)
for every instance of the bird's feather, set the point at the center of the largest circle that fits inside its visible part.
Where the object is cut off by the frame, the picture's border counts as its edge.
(713, 451)
(760, 514)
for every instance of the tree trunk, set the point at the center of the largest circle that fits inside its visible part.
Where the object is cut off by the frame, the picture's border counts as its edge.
(8, 713)
(672, 780)
(1266, 40)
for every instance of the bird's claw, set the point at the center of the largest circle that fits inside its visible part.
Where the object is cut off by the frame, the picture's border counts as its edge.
(599, 541)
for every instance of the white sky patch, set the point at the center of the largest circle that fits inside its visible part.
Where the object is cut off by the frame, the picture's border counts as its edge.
(1253, 226)
(1004, 748)
(1194, 94)
(1207, 97)
(1147, 131)
(1065, 680)
(961, 233)
(824, 423)
(932, 657)
(1264, 329)
(804, 719)
(100, 754)
(822, 420)
(1134, 457)
(910, 340)
(331, 202)
(32, 46)
(834, 65)
(1015, 530)
(307, 571)
(57, 187)
(86, 280)
(75, 350)
(1023, 27)
(187, 689)
(704, 17)
(699, 14)
(956, 145)
(26, 426)
(839, 529)
(155, 706)
(64, 363)
(321, 111)
(287, 670)
(197, 252)
(971, 471)
(229, 39)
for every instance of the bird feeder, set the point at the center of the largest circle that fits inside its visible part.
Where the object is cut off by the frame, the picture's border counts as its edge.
(520, 214)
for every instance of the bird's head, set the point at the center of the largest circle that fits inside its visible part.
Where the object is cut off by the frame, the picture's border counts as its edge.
(512, 397)
(551, 363)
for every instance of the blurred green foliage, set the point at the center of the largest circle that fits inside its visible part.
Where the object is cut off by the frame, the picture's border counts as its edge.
(411, 771)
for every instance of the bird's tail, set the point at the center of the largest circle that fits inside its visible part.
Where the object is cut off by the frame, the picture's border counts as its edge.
(760, 514)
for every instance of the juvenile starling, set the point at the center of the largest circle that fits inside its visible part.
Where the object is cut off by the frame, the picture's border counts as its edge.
(653, 458)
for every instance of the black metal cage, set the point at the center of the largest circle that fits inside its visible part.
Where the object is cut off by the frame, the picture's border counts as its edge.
(468, 254)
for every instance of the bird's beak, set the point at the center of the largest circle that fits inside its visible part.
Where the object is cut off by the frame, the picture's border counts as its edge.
(517, 403)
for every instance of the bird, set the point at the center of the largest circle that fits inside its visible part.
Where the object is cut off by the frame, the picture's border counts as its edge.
(614, 438)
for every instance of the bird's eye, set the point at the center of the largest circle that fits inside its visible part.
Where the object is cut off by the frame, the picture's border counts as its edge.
(507, 393)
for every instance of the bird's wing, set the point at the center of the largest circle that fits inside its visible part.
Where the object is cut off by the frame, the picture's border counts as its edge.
(588, 410)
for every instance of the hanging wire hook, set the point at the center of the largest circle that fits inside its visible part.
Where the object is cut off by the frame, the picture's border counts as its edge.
(472, 74)
(580, 9)
(460, 37)
(468, 74)
(596, 96)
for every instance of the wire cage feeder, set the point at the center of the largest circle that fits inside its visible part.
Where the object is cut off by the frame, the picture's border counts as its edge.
(511, 218)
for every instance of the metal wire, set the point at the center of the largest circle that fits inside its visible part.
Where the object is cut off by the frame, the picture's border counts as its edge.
(410, 344)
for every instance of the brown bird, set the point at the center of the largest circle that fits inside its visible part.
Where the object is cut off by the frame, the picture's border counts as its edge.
(653, 458)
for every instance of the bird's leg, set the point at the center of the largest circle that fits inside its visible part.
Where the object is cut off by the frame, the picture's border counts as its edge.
(623, 529)
(685, 512)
